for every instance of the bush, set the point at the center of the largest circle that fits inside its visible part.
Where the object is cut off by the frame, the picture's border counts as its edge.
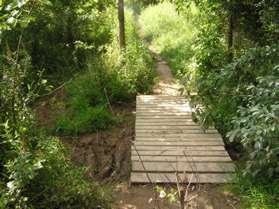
(53, 32)
(46, 179)
(256, 126)
(256, 193)
(112, 79)
(85, 104)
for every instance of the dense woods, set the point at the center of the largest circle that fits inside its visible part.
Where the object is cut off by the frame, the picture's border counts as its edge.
(224, 53)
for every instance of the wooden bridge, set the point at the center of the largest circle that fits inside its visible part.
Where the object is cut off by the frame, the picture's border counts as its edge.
(170, 147)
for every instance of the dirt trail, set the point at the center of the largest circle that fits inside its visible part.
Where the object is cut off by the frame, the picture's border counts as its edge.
(167, 85)
(142, 196)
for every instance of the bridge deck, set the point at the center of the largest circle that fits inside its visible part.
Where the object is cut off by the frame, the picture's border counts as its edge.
(170, 147)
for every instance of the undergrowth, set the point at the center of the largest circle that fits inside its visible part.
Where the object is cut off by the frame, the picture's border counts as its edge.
(256, 194)
(109, 79)
(236, 80)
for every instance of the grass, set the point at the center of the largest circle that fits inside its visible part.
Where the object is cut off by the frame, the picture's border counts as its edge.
(256, 193)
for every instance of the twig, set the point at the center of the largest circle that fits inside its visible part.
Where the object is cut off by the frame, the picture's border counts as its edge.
(58, 88)
(106, 95)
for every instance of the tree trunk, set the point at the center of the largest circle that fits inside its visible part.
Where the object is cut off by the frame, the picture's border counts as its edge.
(230, 36)
(121, 19)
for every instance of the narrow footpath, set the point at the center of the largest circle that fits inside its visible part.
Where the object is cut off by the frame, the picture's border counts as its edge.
(170, 148)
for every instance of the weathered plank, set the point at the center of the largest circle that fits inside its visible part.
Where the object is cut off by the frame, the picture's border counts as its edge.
(175, 131)
(185, 148)
(150, 158)
(179, 143)
(168, 127)
(178, 135)
(165, 123)
(179, 153)
(167, 140)
(207, 167)
(184, 178)
(172, 114)
(158, 128)
(175, 139)
(164, 119)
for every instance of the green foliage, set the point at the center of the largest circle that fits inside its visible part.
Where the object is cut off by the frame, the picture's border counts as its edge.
(170, 34)
(86, 104)
(256, 194)
(109, 80)
(256, 125)
(250, 113)
(35, 171)
(54, 31)
(44, 178)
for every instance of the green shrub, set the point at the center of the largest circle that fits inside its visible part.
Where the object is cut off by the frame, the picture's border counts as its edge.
(256, 193)
(45, 178)
(111, 79)
(256, 126)
(84, 120)
(85, 104)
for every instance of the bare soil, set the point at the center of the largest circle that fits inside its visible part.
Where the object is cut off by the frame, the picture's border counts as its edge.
(199, 197)
(106, 154)
(167, 85)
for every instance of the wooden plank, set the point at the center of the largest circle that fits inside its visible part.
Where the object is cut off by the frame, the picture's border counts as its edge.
(166, 113)
(171, 99)
(164, 107)
(146, 100)
(150, 158)
(207, 167)
(182, 148)
(174, 131)
(166, 123)
(181, 143)
(171, 178)
(167, 117)
(174, 139)
(158, 122)
(179, 153)
(166, 127)
(177, 135)
(162, 103)
(163, 112)
(163, 120)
